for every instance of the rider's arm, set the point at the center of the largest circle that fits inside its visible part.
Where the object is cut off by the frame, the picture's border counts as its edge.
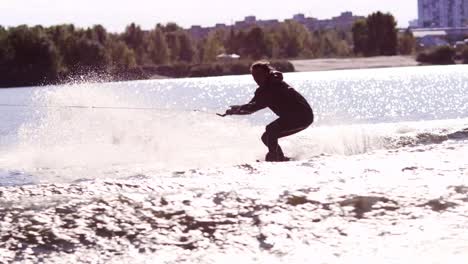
(257, 103)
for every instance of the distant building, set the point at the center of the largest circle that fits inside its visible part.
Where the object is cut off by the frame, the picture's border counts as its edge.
(442, 13)
(414, 23)
(429, 37)
(432, 41)
(250, 19)
(300, 18)
(311, 23)
(198, 32)
(220, 26)
(343, 22)
(268, 23)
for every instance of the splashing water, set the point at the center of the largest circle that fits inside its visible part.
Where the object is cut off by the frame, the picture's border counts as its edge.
(83, 141)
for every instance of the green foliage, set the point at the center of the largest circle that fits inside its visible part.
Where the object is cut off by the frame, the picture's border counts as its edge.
(36, 55)
(187, 50)
(235, 41)
(121, 57)
(173, 42)
(134, 38)
(331, 44)
(170, 27)
(99, 34)
(211, 48)
(3, 43)
(441, 55)
(85, 55)
(231, 43)
(291, 39)
(260, 48)
(5, 56)
(360, 36)
(464, 55)
(406, 43)
(28, 57)
(376, 36)
(158, 48)
(217, 68)
(382, 34)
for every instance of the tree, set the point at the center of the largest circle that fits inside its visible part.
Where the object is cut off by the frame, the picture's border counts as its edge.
(121, 57)
(406, 43)
(390, 45)
(99, 34)
(58, 34)
(211, 48)
(377, 35)
(326, 45)
(360, 36)
(333, 45)
(231, 42)
(169, 27)
(5, 57)
(382, 34)
(291, 38)
(134, 38)
(443, 55)
(464, 55)
(255, 45)
(174, 45)
(158, 49)
(312, 45)
(31, 57)
(85, 55)
(3, 44)
(187, 51)
(179, 42)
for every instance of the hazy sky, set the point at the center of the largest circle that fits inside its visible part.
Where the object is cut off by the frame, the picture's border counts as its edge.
(116, 14)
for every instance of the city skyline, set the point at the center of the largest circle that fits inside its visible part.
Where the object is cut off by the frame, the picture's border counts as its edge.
(116, 15)
(442, 13)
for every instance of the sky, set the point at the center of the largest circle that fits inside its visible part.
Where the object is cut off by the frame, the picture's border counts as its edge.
(115, 15)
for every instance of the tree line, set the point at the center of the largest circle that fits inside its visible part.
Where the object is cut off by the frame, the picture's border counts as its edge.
(41, 55)
(377, 35)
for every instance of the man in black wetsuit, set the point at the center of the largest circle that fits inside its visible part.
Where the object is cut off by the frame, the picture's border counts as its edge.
(294, 113)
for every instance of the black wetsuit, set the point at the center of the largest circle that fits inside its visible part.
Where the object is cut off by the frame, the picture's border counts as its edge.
(294, 113)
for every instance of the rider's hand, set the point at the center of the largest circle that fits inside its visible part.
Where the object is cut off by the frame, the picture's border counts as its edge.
(233, 110)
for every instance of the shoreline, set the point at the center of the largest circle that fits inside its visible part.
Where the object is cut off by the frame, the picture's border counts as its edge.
(331, 64)
(304, 65)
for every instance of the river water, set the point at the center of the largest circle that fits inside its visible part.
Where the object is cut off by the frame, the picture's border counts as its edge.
(145, 172)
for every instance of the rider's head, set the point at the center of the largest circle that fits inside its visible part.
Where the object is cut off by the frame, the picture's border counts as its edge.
(261, 71)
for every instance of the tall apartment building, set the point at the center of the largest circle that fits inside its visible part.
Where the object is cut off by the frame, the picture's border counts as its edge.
(443, 13)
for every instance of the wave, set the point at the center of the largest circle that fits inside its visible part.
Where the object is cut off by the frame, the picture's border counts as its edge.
(365, 139)
(427, 138)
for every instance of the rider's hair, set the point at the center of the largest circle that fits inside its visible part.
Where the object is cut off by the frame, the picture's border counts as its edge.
(264, 65)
